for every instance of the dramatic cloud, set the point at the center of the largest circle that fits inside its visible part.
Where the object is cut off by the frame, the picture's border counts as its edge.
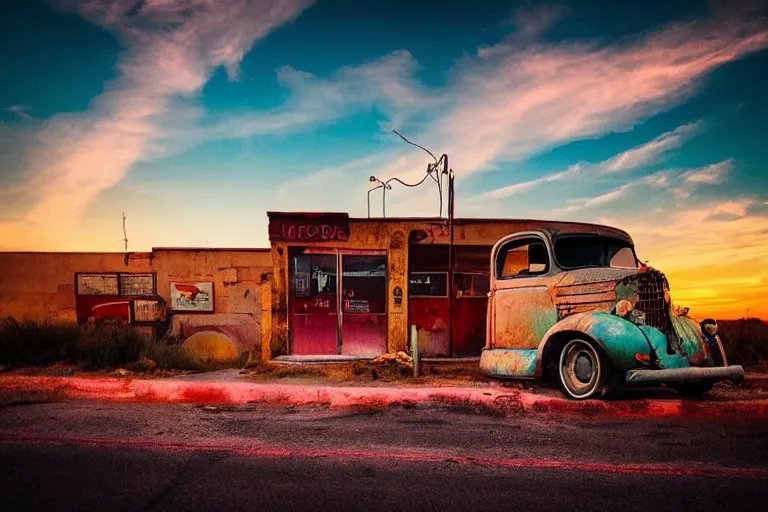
(172, 49)
(505, 104)
(521, 100)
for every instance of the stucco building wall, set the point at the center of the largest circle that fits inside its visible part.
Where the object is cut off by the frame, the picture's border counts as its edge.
(41, 286)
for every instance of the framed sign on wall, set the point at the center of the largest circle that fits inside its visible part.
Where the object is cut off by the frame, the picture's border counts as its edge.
(194, 297)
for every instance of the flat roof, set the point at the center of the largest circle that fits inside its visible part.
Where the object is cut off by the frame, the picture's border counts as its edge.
(563, 226)
(240, 249)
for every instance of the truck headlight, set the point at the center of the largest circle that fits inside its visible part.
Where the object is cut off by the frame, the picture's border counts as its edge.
(622, 308)
(709, 326)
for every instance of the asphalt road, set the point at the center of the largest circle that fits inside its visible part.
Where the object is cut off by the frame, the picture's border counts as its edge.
(110, 456)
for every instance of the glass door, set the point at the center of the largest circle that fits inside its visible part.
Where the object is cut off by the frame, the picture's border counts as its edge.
(314, 319)
(364, 305)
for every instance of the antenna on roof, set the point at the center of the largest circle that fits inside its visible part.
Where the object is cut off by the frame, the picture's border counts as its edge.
(437, 177)
(125, 240)
(125, 234)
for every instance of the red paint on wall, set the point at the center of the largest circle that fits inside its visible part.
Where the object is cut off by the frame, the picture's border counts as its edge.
(363, 335)
(469, 317)
(118, 308)
(314, 334)
(431, 316)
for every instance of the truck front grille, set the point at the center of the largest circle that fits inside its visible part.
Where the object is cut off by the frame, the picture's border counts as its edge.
(652, 292)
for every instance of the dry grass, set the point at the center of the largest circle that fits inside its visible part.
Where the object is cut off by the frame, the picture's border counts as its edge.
(369, 372)
(96, 346)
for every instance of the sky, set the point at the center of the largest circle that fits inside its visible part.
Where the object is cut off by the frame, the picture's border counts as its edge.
(195, 117)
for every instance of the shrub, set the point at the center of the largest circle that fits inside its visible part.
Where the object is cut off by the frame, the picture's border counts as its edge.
(169, 354)
(106, 344)
(745, 340)
(102, 344)
(36, 343)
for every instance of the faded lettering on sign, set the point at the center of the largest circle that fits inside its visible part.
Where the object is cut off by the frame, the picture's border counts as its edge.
(319, 229)
(312, 232)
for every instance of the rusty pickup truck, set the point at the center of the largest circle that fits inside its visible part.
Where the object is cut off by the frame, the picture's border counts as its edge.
(575, 306)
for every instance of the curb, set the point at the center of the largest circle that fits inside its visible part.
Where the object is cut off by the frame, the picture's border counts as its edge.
(481, 400)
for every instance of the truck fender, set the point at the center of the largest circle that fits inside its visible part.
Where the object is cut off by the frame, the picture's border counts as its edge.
(622, 341)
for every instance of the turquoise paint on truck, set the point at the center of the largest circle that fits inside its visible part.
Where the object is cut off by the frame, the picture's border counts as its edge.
(621, 340)
(658, 341)
(505, 362)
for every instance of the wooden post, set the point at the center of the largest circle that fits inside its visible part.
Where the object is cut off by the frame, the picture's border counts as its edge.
(266, 322)
(415, 349)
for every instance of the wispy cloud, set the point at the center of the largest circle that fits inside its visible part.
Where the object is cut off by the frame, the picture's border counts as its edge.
(602, 199)
(692, 179)
(387, 83)
(19, 110)
(680, 183)
(525, 186)
(711, 174)
(652, 151)
(639, 156)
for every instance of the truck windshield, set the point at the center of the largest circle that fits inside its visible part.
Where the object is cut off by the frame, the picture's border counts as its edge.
(594, 251)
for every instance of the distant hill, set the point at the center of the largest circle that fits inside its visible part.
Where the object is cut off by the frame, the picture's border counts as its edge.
(745, 340)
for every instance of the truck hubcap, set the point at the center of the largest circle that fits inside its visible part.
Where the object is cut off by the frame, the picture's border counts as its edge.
(582, 368)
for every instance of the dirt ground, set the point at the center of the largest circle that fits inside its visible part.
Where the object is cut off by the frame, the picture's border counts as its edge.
(391, 373)
(360, 372)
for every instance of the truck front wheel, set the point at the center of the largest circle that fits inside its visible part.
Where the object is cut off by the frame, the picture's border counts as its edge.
(581, 370)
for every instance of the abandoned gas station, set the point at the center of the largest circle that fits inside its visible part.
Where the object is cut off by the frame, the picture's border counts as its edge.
(328, 286)
(354, 287)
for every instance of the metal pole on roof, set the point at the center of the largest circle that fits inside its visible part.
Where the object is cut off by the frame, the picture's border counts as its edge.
(451, 256)
(381, 185)
(384, 201)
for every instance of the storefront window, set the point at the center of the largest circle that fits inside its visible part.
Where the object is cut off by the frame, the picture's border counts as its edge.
(364, 281)
(472, 284)
(313, 282)
(428, 284)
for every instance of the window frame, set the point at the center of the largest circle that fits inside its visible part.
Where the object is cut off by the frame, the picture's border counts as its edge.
(118, 276)
(504, 249)
(474, 275)
(447, 285)
(630, 245)
(151, 275)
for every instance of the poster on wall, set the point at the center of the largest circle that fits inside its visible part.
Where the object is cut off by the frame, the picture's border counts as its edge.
(192, 297)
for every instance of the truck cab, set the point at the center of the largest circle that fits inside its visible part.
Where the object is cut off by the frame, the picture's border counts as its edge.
(575, 306)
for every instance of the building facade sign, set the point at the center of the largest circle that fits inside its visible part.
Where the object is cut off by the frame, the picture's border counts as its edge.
(308, 227)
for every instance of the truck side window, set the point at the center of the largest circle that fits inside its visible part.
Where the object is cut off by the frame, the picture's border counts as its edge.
(524, 257)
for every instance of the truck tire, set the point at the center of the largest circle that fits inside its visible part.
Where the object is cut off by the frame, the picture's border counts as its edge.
(582, 371)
